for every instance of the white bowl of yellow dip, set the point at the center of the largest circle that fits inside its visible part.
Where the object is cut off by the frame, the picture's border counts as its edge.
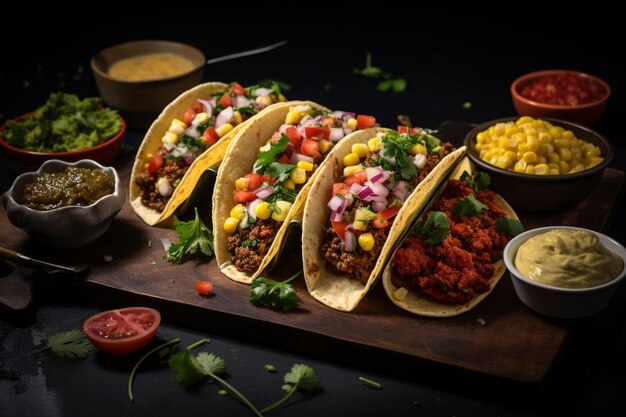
(565, 272)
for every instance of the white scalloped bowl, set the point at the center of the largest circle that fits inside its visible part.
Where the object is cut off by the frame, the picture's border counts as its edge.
(64, 227)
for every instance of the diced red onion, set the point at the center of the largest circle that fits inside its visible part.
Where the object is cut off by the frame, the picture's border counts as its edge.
(297, 157)
(379, 188)
(224, 117)
(400, 190)
(336, 217)
(213, 102)
(372, 172)
(264, 191)
(347, 131)
(378, 205)
(208, 108)
(188, 157)
(344, 115)
(289, 150)
(169, 146)
(262, 92)
(356, 188)
(336, 133)
(251, 208)
(307, 120)
(365, 192)
(335, 202)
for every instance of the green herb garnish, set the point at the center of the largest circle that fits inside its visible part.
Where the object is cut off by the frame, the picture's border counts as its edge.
(468, 206)
(72, 344)
(264, 158)
(279, 171)
(300, 377)
(388, 82)
(478, 181)
(435, 229)
(265, 292)
(508, 225)
(192, 235)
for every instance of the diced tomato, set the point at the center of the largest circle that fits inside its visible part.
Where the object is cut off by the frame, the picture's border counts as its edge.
(310, 148)
(283, 159)
(210, 136)
(363, 121)
(155, 163)
(204, 287)
(383, 216)
(341, 188)
(198, 107)
(242, 196)
(358, 177)
(317, 132)
(225, 100)
(237, 89)
(268, 179)
(405, 129)
(340, 228)
(328, 121)
(294, 136)
(254, 181)
(190, 113)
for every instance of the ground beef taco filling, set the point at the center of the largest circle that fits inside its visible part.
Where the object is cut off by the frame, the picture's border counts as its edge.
(284, 164)
(451, 257)
(378, 178)
(199, 128)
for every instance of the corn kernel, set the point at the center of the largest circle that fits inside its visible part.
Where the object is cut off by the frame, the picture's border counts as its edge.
(324, 145)
(360, 149)
(564, 167)
(262, 211)
(298, 176)
(224, 129)
(170, 138)
(554, 158)
(511, 130)
(504, 162)
(542, 159)
(542, 169)
(554, 171)
(177, 126)
(530, 131)
(482, 138)
(374, 144)
(366, 241)
(595, 160)
(529, 157)
(347, 171)
(283, 207)
(238, 212)
(351, 123)
(417, 149)
(523, 120)
(569, 135)
(554, 133)
(500, 128)
(530, 169)
(242, 183)
(294, 117)
(230, 225)
(350, 159)
(264, 100)
(305, 165)
(479, 147)
(289, 184)
(577, 168)
(562, 143)
(520, 166)
(565, 154)
(511, 155)
(238, 118)
(544, 137)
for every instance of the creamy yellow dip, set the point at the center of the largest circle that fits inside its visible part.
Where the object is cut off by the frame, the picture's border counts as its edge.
(568, 259)
(150, 67)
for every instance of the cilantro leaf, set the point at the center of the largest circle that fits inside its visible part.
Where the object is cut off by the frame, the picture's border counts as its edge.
(265, 292)
(370, 71)
(398, 85)
(478, 181)
(265, 158)
(435, 229)
(301, 376)
(71, 344)
(192, 235)
(279, 171)
(508, 225)
(432, 143)
(468, 206)
(282, 193)
(187, 368)
(404, 168)
(211, 364)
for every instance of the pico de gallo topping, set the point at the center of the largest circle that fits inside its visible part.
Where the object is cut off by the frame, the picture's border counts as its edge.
(564, 90)
(284, 164)
(197, 129)
(378, 177)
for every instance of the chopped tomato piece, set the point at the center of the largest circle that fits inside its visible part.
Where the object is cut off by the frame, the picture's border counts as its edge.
(294, 136)
(210, 136)
(237, 89)
(267, 178)
(155, 163)
(204, 287)
(358, 177)
(283, 159)
(190, 113)
(328, 121)
(310, 148)
(363, 121)
(225, 100)
(405, 129)
(242, 196)
(317, 132)
(254, 181)
(383, 216)
(341, 188)
(340, 228)
(198, 107)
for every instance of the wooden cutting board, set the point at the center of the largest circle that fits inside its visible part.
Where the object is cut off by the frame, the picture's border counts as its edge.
(500, 337)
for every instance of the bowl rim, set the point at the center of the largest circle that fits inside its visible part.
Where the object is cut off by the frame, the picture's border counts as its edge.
(5, 144)
(615, 247)
(517, 95)
(104, 74)
(471, 136)
(117, 193)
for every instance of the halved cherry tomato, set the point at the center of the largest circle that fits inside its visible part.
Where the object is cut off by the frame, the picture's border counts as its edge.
(294, 136)
(363, 121)
(198, 107)
(123, 330)
(204, 287)
(383, 216)
(317, 132)
(341, 188)
(242, 196)
(210, 136)
(254, 181)
(237, 89)
(189, 115)
(405, 129)
(155, 163)
(225, 100)
(358, 177)
(340, 228)
(310, 148)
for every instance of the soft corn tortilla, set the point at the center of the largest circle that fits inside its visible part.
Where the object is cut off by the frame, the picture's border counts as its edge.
(425, 307)
(239, 161)
(326, 284)
(152, 142)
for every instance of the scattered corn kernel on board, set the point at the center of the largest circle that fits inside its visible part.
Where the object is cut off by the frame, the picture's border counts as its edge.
(500, 337)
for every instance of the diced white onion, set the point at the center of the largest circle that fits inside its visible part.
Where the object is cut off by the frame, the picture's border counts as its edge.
(336, 133)
(208, 108)
(224, 117)
(252, 207)
(192, 131)
(378, 188)
(297, 157)
(264, 191)
(164, 187)
(420, 161)
(302, 108)
(242, 101)
(262, 92)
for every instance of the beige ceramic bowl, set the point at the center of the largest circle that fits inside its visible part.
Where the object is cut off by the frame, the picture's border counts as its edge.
(141, 101)
(64, 227)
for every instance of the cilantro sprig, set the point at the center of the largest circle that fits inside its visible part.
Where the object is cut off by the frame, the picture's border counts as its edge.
(264, 158)
(72, 344)
(435, 229)
(265, 292)
(508, 225)
(279, 171)
(192, 236)
(301, 377)
(468, 206)
(478, 181)
(388, 82)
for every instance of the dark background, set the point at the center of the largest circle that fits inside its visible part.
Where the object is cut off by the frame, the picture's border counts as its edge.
(450, 56)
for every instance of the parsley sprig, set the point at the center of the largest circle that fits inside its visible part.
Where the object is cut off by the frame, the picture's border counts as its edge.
(192, 236)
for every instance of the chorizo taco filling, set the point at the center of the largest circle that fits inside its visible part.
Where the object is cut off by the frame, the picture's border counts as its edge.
(264, 197)
(195, 131)
(378, 177)
(451, 256)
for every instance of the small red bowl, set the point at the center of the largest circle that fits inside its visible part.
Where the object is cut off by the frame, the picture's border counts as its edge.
(104, 153)
(586, 114)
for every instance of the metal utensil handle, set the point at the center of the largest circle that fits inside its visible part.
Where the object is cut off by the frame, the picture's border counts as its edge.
(247, 53)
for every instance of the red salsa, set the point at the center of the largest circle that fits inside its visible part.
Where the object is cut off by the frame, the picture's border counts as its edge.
(564, 90)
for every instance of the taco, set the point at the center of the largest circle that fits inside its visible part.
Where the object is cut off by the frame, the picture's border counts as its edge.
(264, 178)
(357, 207)
(190, 135)
(453, 258)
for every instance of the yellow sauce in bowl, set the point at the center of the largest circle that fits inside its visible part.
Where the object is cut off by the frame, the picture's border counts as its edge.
(150, 67)
(567, 259)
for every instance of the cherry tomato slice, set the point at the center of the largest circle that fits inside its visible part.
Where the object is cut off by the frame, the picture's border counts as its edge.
(363, 121)
(210, 136)
(155, 163)
(189, 116)
(340, 229)
(383, 216)
(225, 100)
(254, 181)
(310, 148)
(317, 132)
(123, 330)
(294, 136)
(243, 197)
(358, 177)
(406, 129)
(204, 287)
(237, 89)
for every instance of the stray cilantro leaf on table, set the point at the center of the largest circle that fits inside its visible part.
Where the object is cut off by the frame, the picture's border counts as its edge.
(301, 377)
(265, 292)
(388, 82)
(71, 344)
(192, 235)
